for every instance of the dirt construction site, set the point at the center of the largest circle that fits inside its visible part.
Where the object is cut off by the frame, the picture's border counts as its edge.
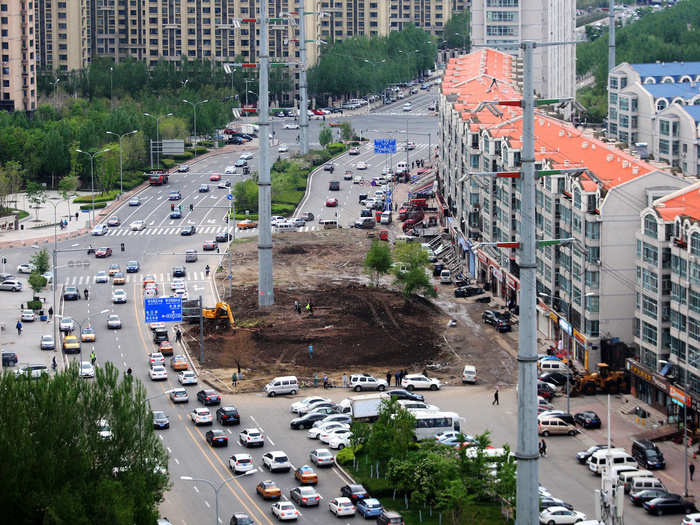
(353, 327)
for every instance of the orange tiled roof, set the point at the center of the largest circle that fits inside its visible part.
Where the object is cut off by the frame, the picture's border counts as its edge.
(684, 202)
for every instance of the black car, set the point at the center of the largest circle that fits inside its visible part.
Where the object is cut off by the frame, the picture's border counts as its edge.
(208, 396)
(241, 519)
(669, 504)
(238, 141)
(545, 390)
(223, 237)
(188, 230)
(160, 335)
(468, 291)
(545, 503)
(71, 293)
(306, 421)
(587, 419)
(354, 492)
(364, 212)
(178, 271)
(642, 496)
(499, 321)
(9, 358)
(583, 456)
(160, 420)
(555, 378)
(400, 393)
(437, 268)
(307, 216)
(217, 438)
(228, 416)
(564, 416)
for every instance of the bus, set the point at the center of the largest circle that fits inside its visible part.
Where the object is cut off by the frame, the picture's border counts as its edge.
(429, 424)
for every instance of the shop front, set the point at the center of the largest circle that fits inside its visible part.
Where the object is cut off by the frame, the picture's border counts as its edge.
(512, 287)
(652, 388)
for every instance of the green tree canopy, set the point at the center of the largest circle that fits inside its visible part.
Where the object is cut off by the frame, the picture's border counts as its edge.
(410, 273)
(325, 136)
(378, 260)
(456, 32)
(40, 260)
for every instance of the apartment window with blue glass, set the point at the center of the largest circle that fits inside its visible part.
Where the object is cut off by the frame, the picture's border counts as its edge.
(664, 127)
(624, 104)
(613, 99)
(650, 226)
(593, 230)
(613, 83)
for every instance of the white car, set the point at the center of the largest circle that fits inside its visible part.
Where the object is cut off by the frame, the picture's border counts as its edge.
(341, 507)
(177, 283)
(340, 440)
(118, 296)
(181, 292)
(240, 463)
(282, 148)
(201, 416)
(187, 377)
(407, 106)
(66, 325)
(560, 515)
(299, 406)
(359, 382)
(137, 226)
(26, 268)
(251, 437)
(156, 358)
(420, 382)
(230, 170)
(327, 435)
(101, 277)
(114, 322)
(291, 125)
(47, 342)
(28, 316)
(100, 229)
(357, 179)
(276, 460)
(86, 369)
(412, 405)
(158, 373)
(246, 155)
(315, 432)
(284, 510)
(48, 276)
(361, 165)
(322, 457)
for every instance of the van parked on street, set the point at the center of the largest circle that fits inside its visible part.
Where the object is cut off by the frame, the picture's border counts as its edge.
(282, 385)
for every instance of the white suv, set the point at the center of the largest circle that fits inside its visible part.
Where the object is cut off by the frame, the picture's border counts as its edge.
(276, 460)
(360, 382)
(419, 381)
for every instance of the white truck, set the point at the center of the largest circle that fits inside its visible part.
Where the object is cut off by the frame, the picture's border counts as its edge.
(363, 407)
(250, 129)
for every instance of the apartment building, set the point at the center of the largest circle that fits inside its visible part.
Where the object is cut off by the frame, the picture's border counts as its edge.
(586, 289)
(17, 56)
(62, 28)
(656, 105)
(513, 21)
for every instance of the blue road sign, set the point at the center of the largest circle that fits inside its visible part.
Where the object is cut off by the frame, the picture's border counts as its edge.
(163, 309)
(385, 145)
(229, 196)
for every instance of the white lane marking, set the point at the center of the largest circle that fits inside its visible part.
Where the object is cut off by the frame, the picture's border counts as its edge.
(177, 461)
(207, 504)
(195, 488)
(161, 437)
(169, 450)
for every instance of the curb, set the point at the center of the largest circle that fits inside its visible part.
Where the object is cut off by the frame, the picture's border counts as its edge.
(344, 472)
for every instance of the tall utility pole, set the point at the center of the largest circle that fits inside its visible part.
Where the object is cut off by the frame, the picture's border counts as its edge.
(303, 93)
(265, 292)
(194, 108)
(611, 43)
(121, 170)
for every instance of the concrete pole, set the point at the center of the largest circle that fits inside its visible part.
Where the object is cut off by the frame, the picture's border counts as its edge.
(527, 506)
(232, 227)
(303, 87)
(265, 290)
(201, 332)
(611, 43)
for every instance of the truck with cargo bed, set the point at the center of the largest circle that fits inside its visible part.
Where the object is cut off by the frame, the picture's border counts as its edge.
(363, 407)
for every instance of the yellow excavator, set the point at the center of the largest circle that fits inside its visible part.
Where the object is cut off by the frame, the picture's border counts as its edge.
(220, 311)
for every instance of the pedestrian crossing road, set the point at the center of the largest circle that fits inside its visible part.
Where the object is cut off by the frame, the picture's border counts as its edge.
(201, 230)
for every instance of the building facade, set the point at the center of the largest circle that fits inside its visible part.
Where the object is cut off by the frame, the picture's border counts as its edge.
(17, 55)
(63, 34)
(586, 288)
(513, 21)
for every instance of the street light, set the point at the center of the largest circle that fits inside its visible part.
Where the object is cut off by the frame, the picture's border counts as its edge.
(55, 85)
(218, 488)
(121, 172)
(111, 98)
(92, 177)
(157, 119)
(194, 107)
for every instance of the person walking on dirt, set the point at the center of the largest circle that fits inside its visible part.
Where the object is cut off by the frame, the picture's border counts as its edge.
(234, 379)
(388, 378)
(345, 379)
(495, 397)
(325, 381)
(297, 308)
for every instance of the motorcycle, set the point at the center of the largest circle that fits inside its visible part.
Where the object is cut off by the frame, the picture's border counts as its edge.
(90, 250)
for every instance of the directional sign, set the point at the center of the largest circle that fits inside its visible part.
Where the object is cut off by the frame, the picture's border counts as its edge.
(229, 197)
(163, 309)
(385, 145)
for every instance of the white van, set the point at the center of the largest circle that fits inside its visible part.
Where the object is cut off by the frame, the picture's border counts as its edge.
(618, 456)
(328, 224)
(552, 365)
(386, 217)
(285, 226)
(282, 385)
(627, 477)
(401, 166)
(645, 483)
(469, 374)
(445, 277)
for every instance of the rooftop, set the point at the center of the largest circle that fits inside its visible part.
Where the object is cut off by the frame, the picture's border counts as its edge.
(667, 69)
(694, 112)
(684, 202)
(685, 90)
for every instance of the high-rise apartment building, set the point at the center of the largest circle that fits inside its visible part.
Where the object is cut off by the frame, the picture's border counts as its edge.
(17, 55)
(513, 21)
(62, 28)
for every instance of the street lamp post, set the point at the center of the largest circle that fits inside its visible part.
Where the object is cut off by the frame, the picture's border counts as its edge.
(121, 172)
(194, 107)
(219, 487)
(246, 90)
(92, 178)
(111, 98)
(157, 119)
(55, 85)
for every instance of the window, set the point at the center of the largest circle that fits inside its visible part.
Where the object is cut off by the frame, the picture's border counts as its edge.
(664, 128)
(650, 280)
(592, 279)
(695, 243)
(678, 320)
(650, 254)
(649, 334)
(650, 225)
(577, 199)
(695, 274)
(624, 104)
(679, 266)
(593, 255)
(592, 328)
(613, 83)
(679, 293)
(613, 98)
(592, 303)
(592, 230)
(693, 300)
(649, 307)
(694, 329)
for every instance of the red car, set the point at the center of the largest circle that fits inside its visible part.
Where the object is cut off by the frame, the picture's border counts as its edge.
(209, 245)
(215, 178)
(331, 203)
(217, 438)
(317, 112)
(103, 252)
(354, 151)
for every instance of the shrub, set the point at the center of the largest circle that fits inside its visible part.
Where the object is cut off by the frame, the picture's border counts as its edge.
(201, 150)
(102, 197)
(184, 156)
(282, 209)
(35, 305)
(335, 148)
(345, 456)
(98, 205)
(168, 163)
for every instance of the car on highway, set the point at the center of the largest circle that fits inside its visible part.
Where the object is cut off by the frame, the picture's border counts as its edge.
(362, 165)
(174, 196)
(251, 437)
(322, 457)
(66, 324)
(420, 382)
(268, 489)
(114, 322)
(369, 508)
(137, 226)
(560, 515)
(114, 221)
(26, 268)
(223, 237)
(400, 393)
(276, 461)
(179, 395)
(183, 168)
(215, 177)
(103, 252)
(47, 342)
(160, 420)
(228, 415)
(119, 278)
(241, 163)
(88, 335)
(230, 170)
(176, 214)
(119, 296)
(132, 267)
(224, 184)
(354, 491)
(70, 293)
(208, 396)
(201, 416)
(285, 511)
(134, 201)
(71, 345)
(354, 151)
(332, 202)
(306, 475)
(307, 216)
(203, 188)
(246, 224)
(499, 321)
(86, 370)
(341, 507)
(158, 373)
(113, 269)
(291, 125)
(11, 285)
(156, 358)
(282, 148)
(217, 438)
(305, 496)
(209, 246)
(100, 229)
(347, 175)
(181, 292)
(190, 256)
(407, 106)
(240, 463)
(27, 315)
(468, 291)
(187, 377)
(188, 230)
(178, 362)
(587, 419)
(101, 277)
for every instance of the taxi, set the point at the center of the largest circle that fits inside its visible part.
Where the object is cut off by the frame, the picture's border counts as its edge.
(119, 278)
(113, 270)
(71, 344)
(88, 335)
(306, 475)
(246, 224)
(179, 362)
(268, 489)
(166, 348)
(148, 279)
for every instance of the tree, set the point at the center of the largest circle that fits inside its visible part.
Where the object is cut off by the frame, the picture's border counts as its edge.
(36, 281)
(410, 273)
(325, 136)
(35, 194)
(392, 434)
(360, 434)
(67, 186)
(245, 193)
(10, 182)
(346, 131)
(456, 32)
(40, 260)
(60, 469)
(378, 260)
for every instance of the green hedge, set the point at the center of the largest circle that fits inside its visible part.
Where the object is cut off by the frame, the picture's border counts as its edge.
(35, 305)
(345, 456)
(167, 163)
(98, 205)
(201, 150)
(288, 197)
(282, 209)
(102, 197)
(185, 156)
(334, 148)
(133, 179)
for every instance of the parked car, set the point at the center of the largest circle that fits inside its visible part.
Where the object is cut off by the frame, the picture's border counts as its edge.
(468, 291)
(583, 456)
(400, 393)
(587, 419)
(642, 496)
(560, 515)
(359, 382)
(669, 504)
(499, 321)
(420, 382)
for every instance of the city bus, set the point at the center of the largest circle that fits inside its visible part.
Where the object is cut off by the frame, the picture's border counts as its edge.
(429, 424)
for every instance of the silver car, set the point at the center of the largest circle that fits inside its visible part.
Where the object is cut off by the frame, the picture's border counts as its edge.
(114, 322)
(101, 277)
(11, 285)
(47, 342)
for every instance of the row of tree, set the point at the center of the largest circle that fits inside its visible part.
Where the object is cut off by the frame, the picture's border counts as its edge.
(407, 262)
